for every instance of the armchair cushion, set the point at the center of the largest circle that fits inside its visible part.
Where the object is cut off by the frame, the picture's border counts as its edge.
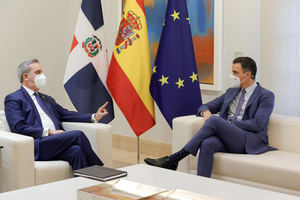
(50, 171)
(275, 168)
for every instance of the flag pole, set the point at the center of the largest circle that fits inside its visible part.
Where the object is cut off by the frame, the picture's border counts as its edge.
(138, 149)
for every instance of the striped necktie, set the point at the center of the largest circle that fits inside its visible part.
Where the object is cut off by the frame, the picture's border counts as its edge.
(239, 106)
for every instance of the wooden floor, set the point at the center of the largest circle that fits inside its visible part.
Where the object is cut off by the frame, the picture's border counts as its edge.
(125, 153)
(123, 158)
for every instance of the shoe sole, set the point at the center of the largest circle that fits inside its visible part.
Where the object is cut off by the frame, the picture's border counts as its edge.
(149, 162)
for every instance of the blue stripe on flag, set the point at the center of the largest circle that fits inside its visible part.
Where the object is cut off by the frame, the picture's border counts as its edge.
(93, 12)
(87, 92)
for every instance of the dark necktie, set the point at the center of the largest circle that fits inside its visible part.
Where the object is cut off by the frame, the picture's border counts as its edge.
(239, 106)
(45, 109)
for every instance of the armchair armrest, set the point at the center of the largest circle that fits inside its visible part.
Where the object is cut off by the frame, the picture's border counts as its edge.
(184, 128)
(99, 135)
(17, 160)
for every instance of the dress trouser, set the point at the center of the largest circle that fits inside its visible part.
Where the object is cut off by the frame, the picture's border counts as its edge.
(71, 146)
(216, 135)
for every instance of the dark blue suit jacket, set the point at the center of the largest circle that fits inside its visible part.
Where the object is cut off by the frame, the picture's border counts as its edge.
(255, 119)
(23, 117)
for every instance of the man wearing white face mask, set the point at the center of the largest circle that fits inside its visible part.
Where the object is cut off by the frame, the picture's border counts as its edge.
(32, 113)
(241, 127)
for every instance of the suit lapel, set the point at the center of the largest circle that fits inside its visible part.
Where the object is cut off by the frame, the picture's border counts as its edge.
(231, 96)
(28, 98)
(253, 96)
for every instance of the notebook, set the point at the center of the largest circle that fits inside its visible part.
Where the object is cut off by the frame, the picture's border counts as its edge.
(100, 173)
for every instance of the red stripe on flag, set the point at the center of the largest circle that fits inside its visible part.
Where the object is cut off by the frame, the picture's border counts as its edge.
(130, 103)
(141, 4)
(74, 43)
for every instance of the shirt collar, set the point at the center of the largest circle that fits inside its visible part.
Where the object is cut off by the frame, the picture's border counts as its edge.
(29, 91)
(251, 88)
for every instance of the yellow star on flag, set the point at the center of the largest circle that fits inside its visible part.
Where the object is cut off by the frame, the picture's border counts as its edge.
(163, 80)
(180, 83)
(175, 15)
(194, 77)
(154, 69)
(188, 19)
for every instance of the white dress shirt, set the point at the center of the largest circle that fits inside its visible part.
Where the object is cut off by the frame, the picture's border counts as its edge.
(46, 121)
(234, 103)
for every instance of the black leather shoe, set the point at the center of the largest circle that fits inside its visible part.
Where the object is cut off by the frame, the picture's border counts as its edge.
(164, 162)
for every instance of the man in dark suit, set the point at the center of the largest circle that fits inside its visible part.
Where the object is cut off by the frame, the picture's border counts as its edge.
(241, 126)
(34, 114)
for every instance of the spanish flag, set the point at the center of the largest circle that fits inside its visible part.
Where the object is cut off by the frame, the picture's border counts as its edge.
(129, 73)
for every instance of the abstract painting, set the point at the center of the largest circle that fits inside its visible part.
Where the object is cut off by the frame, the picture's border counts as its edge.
(202, 19)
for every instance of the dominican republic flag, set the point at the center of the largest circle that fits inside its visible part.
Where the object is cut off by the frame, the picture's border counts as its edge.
(85, 76)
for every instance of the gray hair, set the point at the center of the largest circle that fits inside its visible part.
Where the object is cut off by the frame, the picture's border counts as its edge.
(24, 68)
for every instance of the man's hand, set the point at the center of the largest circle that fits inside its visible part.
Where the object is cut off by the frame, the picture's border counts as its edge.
(206, 114)
(101, 112)
(54, 132)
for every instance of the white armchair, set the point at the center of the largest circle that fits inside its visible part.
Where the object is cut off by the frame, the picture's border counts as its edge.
(274, 170)
(18, 168)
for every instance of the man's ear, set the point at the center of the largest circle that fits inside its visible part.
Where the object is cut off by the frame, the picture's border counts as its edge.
(25, 76)
(249, 73)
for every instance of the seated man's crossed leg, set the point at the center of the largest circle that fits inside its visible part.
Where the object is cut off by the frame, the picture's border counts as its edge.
(71, 146)
(216, 135)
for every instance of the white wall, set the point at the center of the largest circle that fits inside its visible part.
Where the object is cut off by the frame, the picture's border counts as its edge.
(280, 53)
(36, 29)
(44, 29)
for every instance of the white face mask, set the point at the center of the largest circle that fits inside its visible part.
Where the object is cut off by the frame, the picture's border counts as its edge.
(235, 81)
(40, 80)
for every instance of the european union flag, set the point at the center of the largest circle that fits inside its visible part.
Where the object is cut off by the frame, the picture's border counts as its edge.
(174, 83)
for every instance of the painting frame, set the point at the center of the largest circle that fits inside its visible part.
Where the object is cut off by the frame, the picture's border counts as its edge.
(218, 47)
